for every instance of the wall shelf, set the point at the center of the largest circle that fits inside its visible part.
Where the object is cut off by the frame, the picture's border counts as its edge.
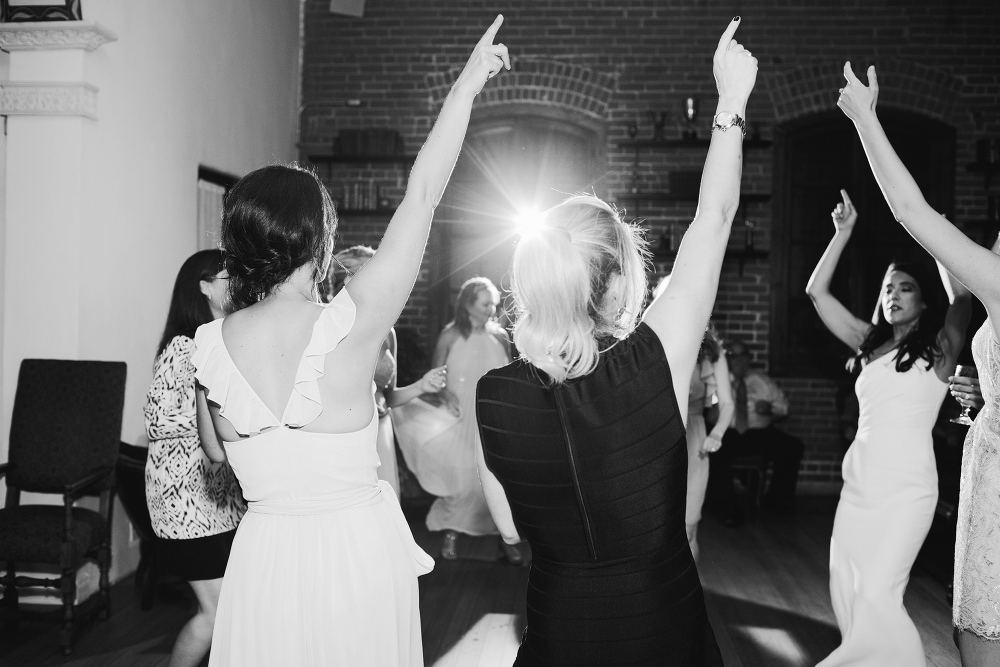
(741, 255)
(670, 144)
(667, 197)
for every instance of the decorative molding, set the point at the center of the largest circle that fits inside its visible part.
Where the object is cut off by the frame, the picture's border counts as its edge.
(47, 98)
(44, 35)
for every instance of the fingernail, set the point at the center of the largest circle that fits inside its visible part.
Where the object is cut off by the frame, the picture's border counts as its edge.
(736, 18)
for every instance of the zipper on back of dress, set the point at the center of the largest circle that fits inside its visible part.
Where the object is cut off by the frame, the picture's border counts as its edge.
(571, 455)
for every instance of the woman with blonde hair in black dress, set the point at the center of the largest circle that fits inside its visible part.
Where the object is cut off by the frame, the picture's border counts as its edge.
(583, 437)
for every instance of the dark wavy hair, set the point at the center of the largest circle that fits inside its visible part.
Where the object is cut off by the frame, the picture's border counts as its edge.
(711, 345)
(467, 296)
(922, 341)
(274, 220)
(189, 308)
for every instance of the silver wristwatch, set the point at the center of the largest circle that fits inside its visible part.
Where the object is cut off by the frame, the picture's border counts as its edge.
(725, 120)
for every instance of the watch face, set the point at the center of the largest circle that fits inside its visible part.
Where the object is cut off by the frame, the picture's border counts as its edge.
(724, 118)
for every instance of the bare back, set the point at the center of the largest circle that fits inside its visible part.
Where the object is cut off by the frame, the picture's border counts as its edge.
(267, 342)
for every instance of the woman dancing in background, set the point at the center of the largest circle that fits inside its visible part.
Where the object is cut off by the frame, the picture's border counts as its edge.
(709, 380)
(907, 352)
(323, 569)
(195, 505)
(445, 465)
(387, 395)
(583, 439)
(976, 606)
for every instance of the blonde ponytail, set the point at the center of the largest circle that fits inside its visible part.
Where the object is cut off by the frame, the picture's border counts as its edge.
(580, 279)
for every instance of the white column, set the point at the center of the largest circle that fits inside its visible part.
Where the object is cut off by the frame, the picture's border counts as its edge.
(48, 103)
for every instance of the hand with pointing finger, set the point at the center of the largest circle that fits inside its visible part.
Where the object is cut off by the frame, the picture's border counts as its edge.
(844, 215)
(734, 67)
(857, 100)
(486, 61)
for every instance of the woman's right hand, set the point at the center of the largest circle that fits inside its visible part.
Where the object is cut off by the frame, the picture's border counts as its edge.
(734, 68)
(486, 60)
(844, 215)
(966, 391)
(434, 380)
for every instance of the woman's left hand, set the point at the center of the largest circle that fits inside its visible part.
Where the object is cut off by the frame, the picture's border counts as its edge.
(711, 445)
(857, 100)
(434, 380)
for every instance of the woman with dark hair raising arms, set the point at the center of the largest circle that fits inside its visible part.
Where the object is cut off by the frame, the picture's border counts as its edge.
(976, 607)
(323, 569)
(584, 450)
(904, 355)
(194, 504)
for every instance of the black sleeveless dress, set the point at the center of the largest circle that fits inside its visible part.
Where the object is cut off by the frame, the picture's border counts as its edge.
(596, 474)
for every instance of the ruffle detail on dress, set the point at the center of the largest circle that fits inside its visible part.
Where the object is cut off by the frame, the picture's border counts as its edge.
(224, 385)
(305, 403)
(237, 400)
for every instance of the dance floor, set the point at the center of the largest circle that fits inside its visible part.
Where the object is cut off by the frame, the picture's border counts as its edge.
(766, 585)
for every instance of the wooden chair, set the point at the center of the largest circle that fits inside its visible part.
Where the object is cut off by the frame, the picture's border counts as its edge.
(131, 488)
(752, 471)
(64, 436)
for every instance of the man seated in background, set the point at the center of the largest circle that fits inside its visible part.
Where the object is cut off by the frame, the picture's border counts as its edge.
(759, 403)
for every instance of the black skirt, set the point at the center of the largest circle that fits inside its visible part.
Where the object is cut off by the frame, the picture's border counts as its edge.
(195, 559)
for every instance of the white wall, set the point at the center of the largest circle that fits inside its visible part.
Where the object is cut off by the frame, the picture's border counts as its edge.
(90, 260)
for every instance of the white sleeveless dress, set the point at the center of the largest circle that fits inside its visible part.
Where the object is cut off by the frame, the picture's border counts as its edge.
(885, 510)
(324, 568)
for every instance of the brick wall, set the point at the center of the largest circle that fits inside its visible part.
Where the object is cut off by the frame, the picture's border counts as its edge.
(613, 62)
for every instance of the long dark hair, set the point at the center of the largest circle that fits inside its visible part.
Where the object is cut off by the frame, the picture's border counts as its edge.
(189, 308)
(922, 341)
(467, 296)
(274, 220)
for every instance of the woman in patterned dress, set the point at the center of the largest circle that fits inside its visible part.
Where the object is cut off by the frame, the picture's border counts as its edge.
(195, 505)
(976, 606)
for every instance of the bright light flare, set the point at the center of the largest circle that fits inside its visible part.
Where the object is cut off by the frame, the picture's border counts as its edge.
(529, 221)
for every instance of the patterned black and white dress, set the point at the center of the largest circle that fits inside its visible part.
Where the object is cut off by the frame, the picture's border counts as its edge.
(195, 505)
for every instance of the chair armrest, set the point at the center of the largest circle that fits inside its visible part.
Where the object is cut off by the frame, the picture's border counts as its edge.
(76, 489)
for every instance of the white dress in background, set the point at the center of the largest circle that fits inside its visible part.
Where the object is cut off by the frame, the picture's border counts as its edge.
(324, 568)
(885, 510)
(702, 389)
(441, 451)
(977, 548)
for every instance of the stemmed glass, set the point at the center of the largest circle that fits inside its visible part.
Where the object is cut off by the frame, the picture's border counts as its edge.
(969, 372)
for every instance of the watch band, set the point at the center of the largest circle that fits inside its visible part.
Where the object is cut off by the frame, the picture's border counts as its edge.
(737, 121)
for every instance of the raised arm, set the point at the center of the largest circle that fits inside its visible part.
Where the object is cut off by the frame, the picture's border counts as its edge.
(381, 288)
(679, 315)
(841, 322)
(974, 266)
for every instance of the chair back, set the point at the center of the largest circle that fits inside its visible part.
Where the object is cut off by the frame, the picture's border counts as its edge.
(66, 423)
(130, 479)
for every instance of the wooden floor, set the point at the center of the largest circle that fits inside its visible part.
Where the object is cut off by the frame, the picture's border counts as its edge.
(765, 582)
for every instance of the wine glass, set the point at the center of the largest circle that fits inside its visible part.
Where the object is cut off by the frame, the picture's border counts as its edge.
(969, 372)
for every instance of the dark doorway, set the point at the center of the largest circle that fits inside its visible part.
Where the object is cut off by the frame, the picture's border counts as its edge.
(508, 165)
(815, 158)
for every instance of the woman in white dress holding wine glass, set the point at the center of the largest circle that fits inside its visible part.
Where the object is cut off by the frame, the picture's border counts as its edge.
(976, 606)
(906, 354)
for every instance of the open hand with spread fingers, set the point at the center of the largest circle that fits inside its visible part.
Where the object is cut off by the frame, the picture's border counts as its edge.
(734, 67)
(486, 61)
(844, 215)
(857, 100)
